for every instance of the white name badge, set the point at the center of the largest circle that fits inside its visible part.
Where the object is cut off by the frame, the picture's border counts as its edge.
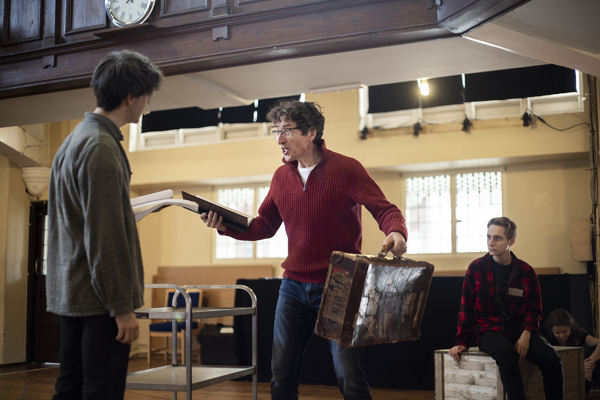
(515, 292)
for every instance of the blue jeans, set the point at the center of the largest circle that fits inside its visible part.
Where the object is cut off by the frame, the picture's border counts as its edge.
(295, 318)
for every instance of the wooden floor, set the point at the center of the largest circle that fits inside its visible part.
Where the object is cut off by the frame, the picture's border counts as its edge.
(26, 382)
(32, 384)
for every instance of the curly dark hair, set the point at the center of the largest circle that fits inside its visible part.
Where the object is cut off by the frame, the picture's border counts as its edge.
(123, 73)
(560, 317)
(305, 114)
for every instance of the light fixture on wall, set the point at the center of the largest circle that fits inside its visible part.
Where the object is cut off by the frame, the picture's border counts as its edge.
(36, 179)
(416, 129)
(364, 133)
(526, 119)
(423, 86)
(466, 125)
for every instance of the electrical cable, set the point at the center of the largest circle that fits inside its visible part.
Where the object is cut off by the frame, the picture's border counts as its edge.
(419, 121)
(550, 126)
(577, 116)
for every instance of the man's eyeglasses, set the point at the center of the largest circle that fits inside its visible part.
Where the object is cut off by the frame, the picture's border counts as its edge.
(286, 133)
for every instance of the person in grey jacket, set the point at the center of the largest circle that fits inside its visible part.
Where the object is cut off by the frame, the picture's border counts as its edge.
(95, 276)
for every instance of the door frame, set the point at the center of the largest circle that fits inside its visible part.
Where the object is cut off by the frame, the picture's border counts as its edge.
(36, 293)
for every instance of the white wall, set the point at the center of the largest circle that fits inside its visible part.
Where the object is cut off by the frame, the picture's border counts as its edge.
(14, 244)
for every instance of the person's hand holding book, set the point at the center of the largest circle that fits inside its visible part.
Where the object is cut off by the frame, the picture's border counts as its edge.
(219, 216)
(213, 220)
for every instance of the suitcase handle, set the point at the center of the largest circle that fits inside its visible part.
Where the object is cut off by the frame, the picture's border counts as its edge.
(385, 249)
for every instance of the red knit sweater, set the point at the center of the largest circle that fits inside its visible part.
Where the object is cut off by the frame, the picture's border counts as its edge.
(322, 216)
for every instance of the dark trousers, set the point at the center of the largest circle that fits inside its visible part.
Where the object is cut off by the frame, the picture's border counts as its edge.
(502, 350)
(595, 374)
(595, 380)
(93, 364)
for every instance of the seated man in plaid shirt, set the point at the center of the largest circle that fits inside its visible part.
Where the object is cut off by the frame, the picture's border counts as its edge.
(501, 305)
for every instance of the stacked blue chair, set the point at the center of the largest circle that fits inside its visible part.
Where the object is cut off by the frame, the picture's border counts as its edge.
(165, 329)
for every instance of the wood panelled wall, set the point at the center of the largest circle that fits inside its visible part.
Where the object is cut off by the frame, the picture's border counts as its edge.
(50, 45)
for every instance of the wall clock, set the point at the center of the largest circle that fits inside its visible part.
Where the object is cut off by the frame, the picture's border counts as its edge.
(128, 12)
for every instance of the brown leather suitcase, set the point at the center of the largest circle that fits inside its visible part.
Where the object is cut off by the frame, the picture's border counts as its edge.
(370, 300)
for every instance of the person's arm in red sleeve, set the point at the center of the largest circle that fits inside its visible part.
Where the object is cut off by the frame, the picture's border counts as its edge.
(464, 329)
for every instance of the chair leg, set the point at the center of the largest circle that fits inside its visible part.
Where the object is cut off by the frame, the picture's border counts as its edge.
(149, 347)
(166, 349)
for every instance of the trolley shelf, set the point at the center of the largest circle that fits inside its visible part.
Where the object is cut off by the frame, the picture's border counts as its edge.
(173, 377)
(188, 377)
(197, 312)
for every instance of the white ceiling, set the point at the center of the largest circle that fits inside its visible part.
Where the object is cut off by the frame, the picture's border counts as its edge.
(573, 23)
(561, 32)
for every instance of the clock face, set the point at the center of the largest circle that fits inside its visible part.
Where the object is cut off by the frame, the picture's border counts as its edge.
(128, 12)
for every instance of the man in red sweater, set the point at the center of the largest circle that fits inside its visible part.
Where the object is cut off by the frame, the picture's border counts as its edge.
(318, 194)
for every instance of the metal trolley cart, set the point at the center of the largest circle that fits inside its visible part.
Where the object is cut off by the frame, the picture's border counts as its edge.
(186, 378)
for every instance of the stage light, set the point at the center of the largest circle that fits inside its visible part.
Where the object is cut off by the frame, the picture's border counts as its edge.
(466, 125)
(364, 133)
(526, 119)
(416, 129)
(423, 86)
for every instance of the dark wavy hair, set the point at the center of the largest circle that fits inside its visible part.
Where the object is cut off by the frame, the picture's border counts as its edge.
(305, 114)
(560, 317)
(123, 73)
(511, 227)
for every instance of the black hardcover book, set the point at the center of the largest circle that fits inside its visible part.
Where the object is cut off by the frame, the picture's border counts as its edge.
(231, 218)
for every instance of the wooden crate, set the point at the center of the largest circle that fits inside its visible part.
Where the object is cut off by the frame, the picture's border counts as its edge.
(476, 376)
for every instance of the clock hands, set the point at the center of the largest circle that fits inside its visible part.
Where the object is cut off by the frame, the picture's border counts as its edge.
(127, 12)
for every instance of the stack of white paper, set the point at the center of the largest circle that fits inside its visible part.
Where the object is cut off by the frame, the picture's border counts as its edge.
(144, 205)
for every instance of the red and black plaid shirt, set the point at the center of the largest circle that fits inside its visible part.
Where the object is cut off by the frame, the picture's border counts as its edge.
(478, 315)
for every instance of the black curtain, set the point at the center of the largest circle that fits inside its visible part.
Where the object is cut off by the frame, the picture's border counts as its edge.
(514, 83)
(195, 117)
(519, 83)
(180, 118)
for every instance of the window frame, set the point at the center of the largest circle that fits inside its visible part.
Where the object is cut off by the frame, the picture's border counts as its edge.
(255, 258)
(453, 173)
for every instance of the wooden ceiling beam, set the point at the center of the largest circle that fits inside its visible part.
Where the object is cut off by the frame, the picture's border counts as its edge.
(63, 57)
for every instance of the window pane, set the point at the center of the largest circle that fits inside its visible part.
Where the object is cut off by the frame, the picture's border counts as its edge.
(478, 199)
(241, 199)
(428, 213)
(231, 248)
(275, 247)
